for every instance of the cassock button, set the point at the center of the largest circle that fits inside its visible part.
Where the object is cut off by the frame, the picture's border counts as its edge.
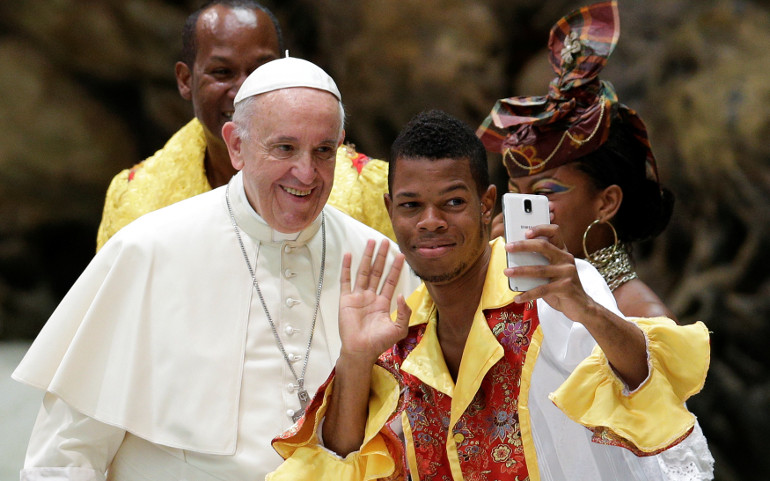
(290, 330)
(294, 357)
(288, 274)
(291, 387)
(291, 302)
(290, 413)
(287, 249)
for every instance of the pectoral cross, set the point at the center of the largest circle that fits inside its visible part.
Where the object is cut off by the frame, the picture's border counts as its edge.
(304, 398)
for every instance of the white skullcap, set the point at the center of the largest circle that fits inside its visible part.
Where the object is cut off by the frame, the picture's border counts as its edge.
(284, 73)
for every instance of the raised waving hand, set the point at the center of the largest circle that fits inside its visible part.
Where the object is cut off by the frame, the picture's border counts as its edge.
(366, 329)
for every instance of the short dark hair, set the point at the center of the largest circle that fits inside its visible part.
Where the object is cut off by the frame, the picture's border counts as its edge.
(647, 206)
(189, 37)
(434, 135)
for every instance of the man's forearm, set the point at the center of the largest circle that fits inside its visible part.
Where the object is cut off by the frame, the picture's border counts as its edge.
(345, 420)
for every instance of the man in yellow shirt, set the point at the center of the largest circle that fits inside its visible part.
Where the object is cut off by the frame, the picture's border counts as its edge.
(223, 42)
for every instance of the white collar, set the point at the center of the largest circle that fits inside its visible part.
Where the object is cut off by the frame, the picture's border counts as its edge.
(255, 226)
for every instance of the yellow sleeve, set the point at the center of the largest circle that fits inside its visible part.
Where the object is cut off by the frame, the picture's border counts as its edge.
(111, 220)
(380, 454)
(653, 417)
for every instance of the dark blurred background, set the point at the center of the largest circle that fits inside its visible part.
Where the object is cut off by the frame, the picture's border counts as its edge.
(87, 89)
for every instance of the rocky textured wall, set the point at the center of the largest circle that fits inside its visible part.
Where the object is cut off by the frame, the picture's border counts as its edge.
(86, 89)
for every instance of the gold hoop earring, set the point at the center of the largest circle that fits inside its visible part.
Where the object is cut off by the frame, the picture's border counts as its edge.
(585, 236)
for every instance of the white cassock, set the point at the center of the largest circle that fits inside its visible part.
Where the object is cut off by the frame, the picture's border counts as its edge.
(160, 363)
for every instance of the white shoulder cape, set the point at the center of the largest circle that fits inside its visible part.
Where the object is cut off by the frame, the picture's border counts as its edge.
(151, 337)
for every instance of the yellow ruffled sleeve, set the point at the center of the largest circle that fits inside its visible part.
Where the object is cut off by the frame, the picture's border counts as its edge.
(653, 417)
(380, 456)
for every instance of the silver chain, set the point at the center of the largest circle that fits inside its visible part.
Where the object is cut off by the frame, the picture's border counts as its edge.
(614, 264)
(300, 380)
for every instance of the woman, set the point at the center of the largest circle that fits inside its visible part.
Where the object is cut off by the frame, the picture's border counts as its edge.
(591, 156)
(605, 201)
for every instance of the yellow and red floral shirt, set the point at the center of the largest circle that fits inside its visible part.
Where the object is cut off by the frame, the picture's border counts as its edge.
(487, 435)
(530, 382)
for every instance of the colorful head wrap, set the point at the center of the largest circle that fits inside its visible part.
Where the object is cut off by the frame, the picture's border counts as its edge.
(544, 132)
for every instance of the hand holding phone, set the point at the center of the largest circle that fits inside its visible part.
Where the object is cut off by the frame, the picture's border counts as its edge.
(522, 212)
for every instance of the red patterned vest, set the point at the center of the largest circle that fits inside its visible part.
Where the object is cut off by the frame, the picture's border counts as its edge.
(487, 435)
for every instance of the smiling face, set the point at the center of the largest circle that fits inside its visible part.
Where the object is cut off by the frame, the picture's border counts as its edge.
(288, 154)
(440, 220)
(574, 201)
(231, 43)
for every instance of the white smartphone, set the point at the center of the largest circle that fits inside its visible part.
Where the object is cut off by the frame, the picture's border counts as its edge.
(522, 212)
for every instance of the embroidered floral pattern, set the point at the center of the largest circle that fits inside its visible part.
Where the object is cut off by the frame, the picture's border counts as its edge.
(501, 424)
(513, 332)
(487, 436)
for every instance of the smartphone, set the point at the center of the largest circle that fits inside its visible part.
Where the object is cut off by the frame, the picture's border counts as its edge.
(520, 213)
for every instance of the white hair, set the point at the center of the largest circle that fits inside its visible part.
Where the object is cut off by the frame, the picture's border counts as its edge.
(247, 109)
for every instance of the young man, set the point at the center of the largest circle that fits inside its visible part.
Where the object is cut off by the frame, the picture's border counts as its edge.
(222, 43)
(471, 365)
(202, 329)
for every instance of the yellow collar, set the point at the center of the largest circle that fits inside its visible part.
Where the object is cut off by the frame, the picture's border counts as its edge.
(495, 294)
(482, 350)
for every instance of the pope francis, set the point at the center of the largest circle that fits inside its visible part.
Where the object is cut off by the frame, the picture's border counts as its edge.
(200, 331)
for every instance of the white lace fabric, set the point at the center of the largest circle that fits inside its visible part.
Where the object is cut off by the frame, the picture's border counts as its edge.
(689, 460)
